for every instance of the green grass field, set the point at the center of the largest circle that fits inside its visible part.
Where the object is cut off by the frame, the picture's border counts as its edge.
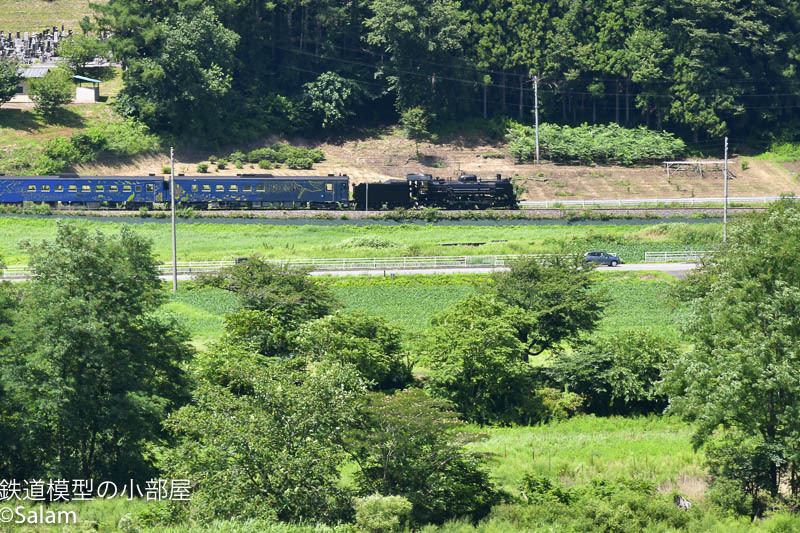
(210, 241)
(638, 301)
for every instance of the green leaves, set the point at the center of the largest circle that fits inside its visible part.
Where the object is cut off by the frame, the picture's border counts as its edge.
(89, 373)
(267, 441)
(9, 79)
(52, 92)
(594, 144)
(742, 372)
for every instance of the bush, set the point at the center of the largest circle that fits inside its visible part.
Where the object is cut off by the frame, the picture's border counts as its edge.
(410, 445)
(166, 170)
(594, 144)
(316, 155)
(267, 154)
(212, 159)
(51, 92)
(264, 164)
(617, 374)
(202, 168)
(382, 514)
(221, 164)
(300, 163)
(237, 157)
(367, 241)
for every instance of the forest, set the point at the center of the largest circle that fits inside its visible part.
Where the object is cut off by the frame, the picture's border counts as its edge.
(223, 69)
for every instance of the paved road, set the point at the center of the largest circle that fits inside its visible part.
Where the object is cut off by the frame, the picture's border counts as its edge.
(679, 270)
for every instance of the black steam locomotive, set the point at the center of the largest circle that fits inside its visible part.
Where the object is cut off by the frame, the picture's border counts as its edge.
(423, 190)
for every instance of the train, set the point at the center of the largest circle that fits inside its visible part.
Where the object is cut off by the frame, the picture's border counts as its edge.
(256, 191)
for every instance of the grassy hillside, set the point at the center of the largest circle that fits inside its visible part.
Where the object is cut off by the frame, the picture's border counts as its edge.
(36, 15)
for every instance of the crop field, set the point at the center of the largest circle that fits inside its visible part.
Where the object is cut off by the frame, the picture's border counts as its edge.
(214, 241)
(638, 301)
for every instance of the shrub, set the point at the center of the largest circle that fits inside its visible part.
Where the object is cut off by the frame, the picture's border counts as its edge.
(264, 164)
(212, 159)
(166, 170)
(221, 164)
(617, 374)
(238, 164)
(382, 514)
(51, 92)
(541, 490)
(410, 445)
(367, 241)
(593, 144)
(237, 157)
(261, 154)
(202, 168)
(316, 155)
(300, 163)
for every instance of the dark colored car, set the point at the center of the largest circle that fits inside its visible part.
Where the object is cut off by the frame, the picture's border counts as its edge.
(601, 258)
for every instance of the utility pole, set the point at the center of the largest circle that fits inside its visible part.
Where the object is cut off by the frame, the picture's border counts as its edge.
(172, 199)
(725, 205)
(366, 198)
(536, 112)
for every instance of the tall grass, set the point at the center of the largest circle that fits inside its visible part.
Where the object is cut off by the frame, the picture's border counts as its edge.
(585, 447)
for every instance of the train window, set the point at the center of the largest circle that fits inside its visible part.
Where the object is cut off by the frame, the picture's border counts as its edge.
(126, 188)
(138, 188)
(31, 188)
(86, 188)
(45, 188)
(233, 188)
(206, 188)
(247, 188)
(113, 188)
(220, 187)
(329, 186)
(194, 187)
(99, 188)
(260, 187)
(73, 188)
(59, 188)
(149, 187)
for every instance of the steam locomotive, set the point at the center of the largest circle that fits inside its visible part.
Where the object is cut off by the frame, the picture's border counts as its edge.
(247, 191)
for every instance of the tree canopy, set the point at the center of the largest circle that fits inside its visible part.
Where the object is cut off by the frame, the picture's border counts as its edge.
(88, 371)
(697, 67)
(741, 374)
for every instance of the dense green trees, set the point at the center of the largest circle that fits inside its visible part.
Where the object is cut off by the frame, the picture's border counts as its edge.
(694, 66)
(264, 439)
(87, 373)
(741, 374)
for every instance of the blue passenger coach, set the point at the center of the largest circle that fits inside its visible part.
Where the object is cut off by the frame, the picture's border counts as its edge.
(263, 190)
(90, 191)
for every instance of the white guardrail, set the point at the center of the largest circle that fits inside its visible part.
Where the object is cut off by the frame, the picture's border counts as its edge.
(376, 263)
(686, 256)
(341, 263)
(654, 201)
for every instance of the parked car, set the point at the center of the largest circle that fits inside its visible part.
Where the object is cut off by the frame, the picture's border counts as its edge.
(601, 258)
